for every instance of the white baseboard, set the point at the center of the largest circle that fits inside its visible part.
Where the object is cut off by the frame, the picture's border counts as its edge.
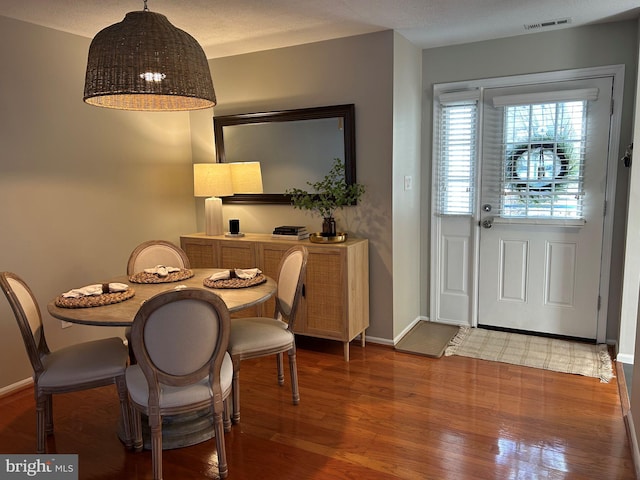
(408, 328)
(625, 358)
(381, 341)
(9, 389)
(635, 452)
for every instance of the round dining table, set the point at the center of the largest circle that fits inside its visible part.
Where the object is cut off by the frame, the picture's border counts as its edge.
(177, 430)
(122, 314)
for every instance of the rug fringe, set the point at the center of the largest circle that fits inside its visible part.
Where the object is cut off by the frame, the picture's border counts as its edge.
(606, 366)
(455, 342)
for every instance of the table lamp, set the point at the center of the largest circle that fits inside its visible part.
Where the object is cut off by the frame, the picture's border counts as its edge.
(246, 177)
(212, 180)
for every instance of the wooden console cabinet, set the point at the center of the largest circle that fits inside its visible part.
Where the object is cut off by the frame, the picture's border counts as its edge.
(335, 303)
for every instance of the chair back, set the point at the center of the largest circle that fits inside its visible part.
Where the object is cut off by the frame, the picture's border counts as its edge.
(290, 281)
(180, 337)
(27, 312)
(156, 252)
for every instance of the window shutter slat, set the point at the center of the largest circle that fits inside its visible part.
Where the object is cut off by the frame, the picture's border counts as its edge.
(543, 155)
(456, 163)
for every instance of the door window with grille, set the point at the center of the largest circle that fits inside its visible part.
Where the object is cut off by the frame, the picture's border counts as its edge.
(542, 147)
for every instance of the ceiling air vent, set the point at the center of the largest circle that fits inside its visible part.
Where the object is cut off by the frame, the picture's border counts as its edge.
(550, 23)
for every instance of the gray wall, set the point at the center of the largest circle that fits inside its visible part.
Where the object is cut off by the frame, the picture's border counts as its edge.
(407, 129)
(80, 186)
(356, 70)
(581, 47)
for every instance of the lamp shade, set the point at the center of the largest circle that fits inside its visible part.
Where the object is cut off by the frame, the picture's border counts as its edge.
(145, 63)
(246, 177)
(212, 180)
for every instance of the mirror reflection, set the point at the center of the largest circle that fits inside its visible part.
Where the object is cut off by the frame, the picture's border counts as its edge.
(290, 153)
(293, 147)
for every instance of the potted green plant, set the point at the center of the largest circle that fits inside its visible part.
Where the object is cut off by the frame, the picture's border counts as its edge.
(327, 195)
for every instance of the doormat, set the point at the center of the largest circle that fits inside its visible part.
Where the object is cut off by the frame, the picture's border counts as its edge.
(533, 351)
(427, 338)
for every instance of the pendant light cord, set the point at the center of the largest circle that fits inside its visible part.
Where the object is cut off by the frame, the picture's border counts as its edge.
(146, 9)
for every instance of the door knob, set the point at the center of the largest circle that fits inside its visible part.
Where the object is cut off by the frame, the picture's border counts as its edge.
(487, 223)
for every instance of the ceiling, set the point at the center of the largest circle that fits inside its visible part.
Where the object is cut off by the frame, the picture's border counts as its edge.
(231, 27)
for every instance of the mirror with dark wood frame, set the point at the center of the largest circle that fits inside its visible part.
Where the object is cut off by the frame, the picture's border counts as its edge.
(293, 147)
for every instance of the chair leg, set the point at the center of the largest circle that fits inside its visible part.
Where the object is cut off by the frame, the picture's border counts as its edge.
(293, 370)
(280, 368)
(136, 429)
(236, 397)
(223, 470)
(227, 414)
(48, 415)
(125, 410)
(41, 408)
(235, 391)
(155, 425)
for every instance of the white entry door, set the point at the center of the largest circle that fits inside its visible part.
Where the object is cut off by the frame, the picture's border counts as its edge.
(542, 201)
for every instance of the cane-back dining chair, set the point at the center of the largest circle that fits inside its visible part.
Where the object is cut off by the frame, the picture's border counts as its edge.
(180, 340)
(156, 252)
(77, 367)
(253, 337)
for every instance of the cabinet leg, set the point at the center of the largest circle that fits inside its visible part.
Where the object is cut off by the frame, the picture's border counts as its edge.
(346, 351)
(362, 339)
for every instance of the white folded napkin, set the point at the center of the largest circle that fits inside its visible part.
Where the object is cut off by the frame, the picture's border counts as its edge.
(161, 270)
(118, 287)
(223, 275)
(95, 289)
(243, 273)
(247, 273)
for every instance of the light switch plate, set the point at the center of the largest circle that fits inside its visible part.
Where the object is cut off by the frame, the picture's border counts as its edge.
(408, 182)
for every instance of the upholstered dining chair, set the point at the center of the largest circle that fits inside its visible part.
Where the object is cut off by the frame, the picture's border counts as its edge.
(148, 255)
(156, 252)
(77, 367)
(253, 337)
(180, 339)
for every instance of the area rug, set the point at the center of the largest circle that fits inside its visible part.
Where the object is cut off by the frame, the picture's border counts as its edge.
(427, 338)
(533, 351)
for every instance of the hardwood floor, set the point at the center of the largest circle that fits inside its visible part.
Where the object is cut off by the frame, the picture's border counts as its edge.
(384, 415)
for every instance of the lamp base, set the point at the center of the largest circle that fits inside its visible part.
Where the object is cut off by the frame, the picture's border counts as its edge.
(213, 216)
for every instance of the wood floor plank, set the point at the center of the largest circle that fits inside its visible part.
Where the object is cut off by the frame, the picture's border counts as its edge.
(384, 415)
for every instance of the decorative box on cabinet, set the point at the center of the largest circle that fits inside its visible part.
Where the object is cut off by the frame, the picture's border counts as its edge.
(335, 303)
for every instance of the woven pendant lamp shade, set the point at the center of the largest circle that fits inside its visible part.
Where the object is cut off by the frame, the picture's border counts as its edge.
(145, 63)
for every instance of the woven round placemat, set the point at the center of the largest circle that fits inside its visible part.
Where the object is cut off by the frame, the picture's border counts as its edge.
(235, 282)
(144, 277)
(95, 300)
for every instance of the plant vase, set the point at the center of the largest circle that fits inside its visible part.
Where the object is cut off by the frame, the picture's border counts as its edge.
(329, 227)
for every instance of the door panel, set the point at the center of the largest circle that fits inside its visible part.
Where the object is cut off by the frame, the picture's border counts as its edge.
(513, 270)
(453, 262)
(540, 274)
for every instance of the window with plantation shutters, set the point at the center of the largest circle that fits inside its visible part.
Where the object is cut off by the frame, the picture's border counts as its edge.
(457, 153)
(543, 144)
